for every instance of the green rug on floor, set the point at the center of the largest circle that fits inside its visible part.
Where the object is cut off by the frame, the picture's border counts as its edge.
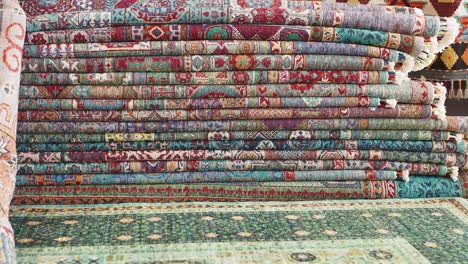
(385, 231)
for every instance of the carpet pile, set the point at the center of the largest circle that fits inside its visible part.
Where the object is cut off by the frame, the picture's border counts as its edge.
(135, 101)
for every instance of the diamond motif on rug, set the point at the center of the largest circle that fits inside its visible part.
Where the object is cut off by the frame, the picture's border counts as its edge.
(157, 32)
(464, 56)
(449, 57)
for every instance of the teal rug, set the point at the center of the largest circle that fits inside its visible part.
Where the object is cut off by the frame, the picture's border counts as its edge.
(385, 231)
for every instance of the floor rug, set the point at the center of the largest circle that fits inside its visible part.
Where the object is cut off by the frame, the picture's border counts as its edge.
(386, 231)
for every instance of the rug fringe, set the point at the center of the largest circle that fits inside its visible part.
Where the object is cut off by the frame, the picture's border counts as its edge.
(391, 66)
(417, 11)
(400, 77)
(448, 32)
(459, 137)
(439, 112)
(388, 103)
(408, 64)
(454, 172)
(424, 58)
(440, 94)
(405, 175)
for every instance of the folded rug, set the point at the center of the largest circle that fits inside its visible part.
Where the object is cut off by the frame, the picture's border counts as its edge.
(229, 77)
(406, 92)
(244, 135)
(209, 47)
(206, 63)
(134, 167)
(403, 145)
(409, 44)
(194, 12)
(418, 187)
(449, 159)
(451, 123)
(206, 177)
(35, 7)
(203, 103)
(400, 111)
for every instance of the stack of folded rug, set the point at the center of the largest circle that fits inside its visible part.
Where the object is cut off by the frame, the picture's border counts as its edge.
(135, 101)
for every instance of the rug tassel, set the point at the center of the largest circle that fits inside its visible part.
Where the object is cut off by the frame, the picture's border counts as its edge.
(452, 91)
(408, 64)
(440, 93)
(458, 137)
(391, 66)
(466, 90)
(459, 93)
(400, 77)
(453, 173)
(417, 11)
(404, 174)
(439, 112)
(389, 103)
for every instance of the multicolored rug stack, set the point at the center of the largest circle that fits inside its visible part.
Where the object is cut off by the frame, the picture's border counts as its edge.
(227, 100)
(137, 101)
